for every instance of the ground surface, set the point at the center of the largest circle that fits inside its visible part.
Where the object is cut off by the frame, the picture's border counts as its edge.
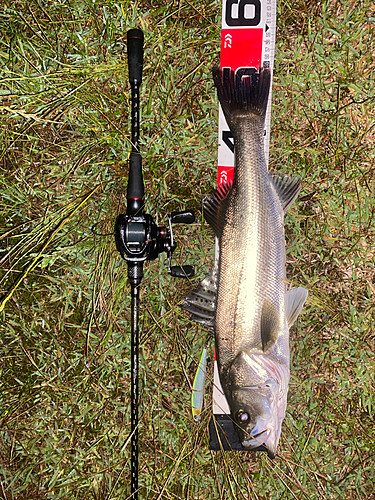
(64, 368)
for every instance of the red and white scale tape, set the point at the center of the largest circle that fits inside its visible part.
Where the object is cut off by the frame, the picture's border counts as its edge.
(248, 33)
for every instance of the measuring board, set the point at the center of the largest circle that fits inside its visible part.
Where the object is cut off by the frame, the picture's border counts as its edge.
(248, 33)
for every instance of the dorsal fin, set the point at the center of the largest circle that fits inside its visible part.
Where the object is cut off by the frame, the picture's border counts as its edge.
(215, 206)
(287, 188)
(269, 325)
(294, 302)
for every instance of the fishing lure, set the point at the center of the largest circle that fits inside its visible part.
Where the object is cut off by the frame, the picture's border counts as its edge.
(197, 394)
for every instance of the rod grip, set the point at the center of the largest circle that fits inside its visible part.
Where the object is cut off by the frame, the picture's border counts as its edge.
(135, 55)
(136, 190)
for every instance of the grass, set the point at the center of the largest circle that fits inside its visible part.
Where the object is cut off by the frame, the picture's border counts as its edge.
(65, 364)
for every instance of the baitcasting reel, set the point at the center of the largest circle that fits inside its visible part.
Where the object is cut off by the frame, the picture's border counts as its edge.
(138, 238)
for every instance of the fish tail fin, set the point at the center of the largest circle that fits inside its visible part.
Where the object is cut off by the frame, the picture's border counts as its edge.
(240, 93)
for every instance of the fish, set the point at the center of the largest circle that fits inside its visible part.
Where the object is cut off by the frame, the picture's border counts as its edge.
(246, 299)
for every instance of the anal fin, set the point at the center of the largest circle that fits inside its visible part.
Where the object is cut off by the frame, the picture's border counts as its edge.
(294, 302)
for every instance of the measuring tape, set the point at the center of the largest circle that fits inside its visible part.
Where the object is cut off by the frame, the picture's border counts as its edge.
(248, 33)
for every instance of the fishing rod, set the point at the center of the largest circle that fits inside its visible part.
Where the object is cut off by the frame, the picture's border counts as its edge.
(138, 238)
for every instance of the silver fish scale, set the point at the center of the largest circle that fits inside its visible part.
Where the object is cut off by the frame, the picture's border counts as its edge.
(252, 252)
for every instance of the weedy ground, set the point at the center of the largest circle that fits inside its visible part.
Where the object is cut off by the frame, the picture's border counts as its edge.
(65, 364)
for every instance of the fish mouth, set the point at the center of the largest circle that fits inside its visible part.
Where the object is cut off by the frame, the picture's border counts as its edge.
(257, 439)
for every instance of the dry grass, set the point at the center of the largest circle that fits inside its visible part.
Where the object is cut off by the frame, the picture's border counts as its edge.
(64, 420)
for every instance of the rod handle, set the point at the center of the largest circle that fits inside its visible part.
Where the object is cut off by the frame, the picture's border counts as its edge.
(136, 190)
(135, 55)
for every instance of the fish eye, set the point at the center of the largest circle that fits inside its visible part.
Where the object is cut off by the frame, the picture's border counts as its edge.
(242, 417)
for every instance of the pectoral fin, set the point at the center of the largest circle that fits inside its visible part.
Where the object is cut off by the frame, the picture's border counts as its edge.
(269, 325)
(294, 302)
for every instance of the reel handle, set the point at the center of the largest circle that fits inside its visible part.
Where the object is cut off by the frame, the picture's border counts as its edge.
(184, 217)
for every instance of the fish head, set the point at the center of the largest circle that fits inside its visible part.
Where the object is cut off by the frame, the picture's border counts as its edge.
(255, 416)
(258, 401)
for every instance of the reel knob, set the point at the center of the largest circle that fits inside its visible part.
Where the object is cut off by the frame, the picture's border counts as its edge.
(184, 217)
(182, 271)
